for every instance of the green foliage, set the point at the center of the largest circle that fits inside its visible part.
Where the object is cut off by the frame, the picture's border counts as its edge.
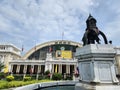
(18, 77)
(2, 75)
(10, 78)
(5, 84)
(47, 72)
(40, 77)
(1, 66)
(15, 84)
(33, 77)
(27, 78)
(57, 76)
(68, 78)
(46, 77)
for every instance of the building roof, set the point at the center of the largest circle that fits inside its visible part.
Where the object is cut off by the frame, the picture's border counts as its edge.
(11, 45)
(49, 44)
(9, 48)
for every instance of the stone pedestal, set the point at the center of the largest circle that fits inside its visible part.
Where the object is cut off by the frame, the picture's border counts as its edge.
(96, 66)
(88, 86)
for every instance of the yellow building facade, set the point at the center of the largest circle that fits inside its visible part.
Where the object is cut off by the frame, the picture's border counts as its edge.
(8, 52)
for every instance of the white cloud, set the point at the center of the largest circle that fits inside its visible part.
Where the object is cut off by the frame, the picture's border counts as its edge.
(44, 20)
(109, 19)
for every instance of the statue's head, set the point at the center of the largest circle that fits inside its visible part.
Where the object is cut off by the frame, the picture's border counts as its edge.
(91, 22)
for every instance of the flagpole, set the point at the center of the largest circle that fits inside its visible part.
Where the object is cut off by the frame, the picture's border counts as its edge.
(35, 49)
(62, 35)
(22, 49)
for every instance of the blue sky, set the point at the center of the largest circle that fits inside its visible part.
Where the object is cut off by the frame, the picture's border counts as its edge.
(30, 22)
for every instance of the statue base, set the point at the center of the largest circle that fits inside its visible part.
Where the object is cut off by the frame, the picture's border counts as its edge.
(96, 68)
(96, 63)
(88, 86)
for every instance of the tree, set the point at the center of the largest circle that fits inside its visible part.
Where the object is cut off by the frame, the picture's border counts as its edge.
(1, 73)
(1, 66)
(57, 76)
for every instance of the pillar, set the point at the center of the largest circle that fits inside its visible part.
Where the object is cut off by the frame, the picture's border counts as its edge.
(38, 71)
(11, 69)
(18, 69)
(52, 68)
(60, 68)
(32, 67)
(69, 69)
(25, 70)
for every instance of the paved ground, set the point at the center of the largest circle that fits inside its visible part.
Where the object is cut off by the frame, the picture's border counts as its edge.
(8, 89)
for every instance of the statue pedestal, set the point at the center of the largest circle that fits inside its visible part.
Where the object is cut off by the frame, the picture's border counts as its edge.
(96, 66)
(87, 86)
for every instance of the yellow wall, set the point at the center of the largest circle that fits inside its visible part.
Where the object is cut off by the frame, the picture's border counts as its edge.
(67, 54)
(64, 54)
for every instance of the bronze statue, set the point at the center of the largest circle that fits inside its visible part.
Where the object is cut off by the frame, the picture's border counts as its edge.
(92, 32)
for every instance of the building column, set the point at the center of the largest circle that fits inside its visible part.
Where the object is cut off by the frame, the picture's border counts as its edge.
(52, 68)
(38, 71)
(11, 69)
(74, 78)
(60, 68)
(25, 70)
(32, 69)
(18, 69)
(69, 69)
